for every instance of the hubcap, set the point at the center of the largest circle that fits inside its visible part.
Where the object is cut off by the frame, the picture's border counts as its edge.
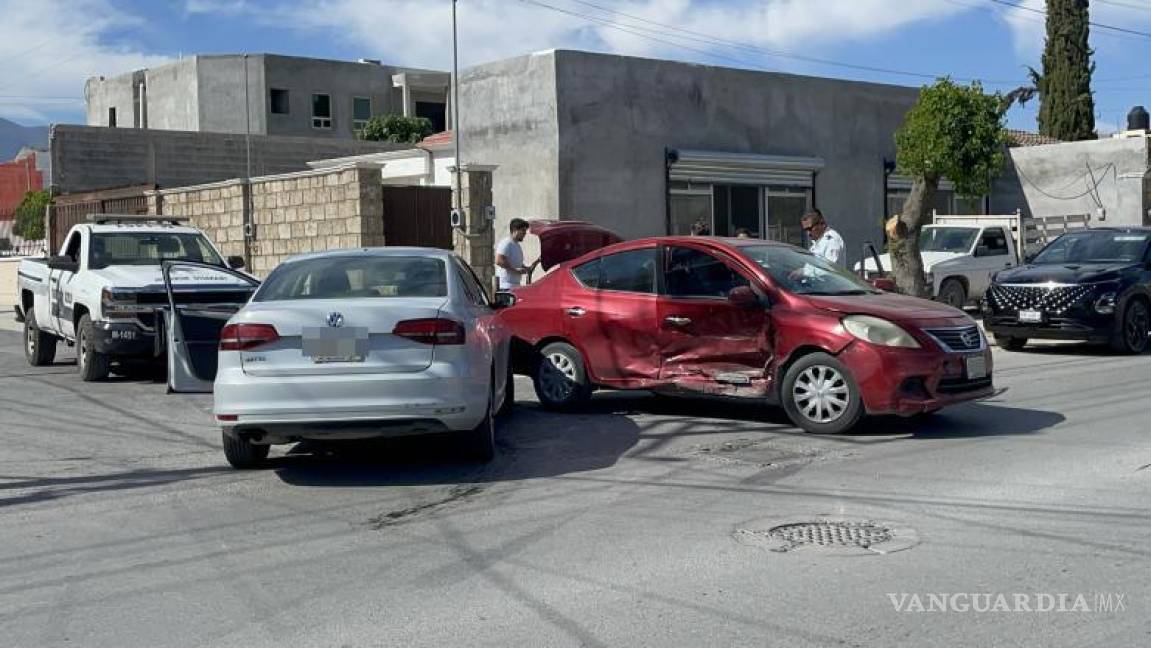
(821, 394)
(1136, 326)
(558, 377)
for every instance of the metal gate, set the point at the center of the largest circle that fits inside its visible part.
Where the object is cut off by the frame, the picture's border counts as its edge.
(418, 216)
(72, 209)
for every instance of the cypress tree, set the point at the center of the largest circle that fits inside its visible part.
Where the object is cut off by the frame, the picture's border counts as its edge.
(1067, 109)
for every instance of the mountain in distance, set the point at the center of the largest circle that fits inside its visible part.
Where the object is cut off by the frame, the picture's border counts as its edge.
(13, 136)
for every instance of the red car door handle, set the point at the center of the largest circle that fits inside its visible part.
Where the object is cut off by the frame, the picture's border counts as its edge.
(677, 321)
(576, 311)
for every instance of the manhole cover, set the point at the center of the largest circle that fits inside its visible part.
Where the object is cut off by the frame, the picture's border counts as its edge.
(827, 535)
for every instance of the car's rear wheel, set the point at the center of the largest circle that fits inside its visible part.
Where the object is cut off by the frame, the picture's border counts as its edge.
(820, 395)
(39, 347)
(93, 365)
(242, 453)
(561, 378)
(953, 293)
(480, 442)
(1009, 343)
(1131, 334)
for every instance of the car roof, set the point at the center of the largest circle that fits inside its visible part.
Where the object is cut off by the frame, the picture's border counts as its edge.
(433, 253)
(722, 242)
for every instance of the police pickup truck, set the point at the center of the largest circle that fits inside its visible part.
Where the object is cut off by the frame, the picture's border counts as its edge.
(108, 289)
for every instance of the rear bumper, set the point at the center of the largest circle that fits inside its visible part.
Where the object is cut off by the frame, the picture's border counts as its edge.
(350, 406)
(905, 382)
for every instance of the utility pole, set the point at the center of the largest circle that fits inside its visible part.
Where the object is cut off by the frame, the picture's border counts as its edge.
(246, 187)
(456, 111)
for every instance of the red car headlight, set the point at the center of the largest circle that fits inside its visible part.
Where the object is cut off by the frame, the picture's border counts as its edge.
(879, 331)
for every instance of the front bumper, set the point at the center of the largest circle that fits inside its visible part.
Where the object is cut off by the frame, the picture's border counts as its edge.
(912, 381)
(126, 338)
(1096, 330)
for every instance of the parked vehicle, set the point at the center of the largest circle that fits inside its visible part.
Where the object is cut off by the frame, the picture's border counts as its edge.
(363, 343)
(962, 253)
(747, 319)
(1092, 285)
(104, 292)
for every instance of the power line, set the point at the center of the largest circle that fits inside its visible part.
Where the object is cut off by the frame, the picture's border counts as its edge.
(1125, 5)
(1121, 30)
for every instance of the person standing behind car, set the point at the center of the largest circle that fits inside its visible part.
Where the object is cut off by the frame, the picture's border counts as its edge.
(826, 243)
(510, 267)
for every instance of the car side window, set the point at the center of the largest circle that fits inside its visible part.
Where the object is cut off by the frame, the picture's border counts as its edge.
(692, 273)
(72, 250)
(995, 241)
(632, 271)
(475, 293)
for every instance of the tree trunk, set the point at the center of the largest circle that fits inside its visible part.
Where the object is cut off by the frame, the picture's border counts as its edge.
(904, 240)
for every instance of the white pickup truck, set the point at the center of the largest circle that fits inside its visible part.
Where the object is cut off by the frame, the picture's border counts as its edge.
(105, 292)
(962, 253)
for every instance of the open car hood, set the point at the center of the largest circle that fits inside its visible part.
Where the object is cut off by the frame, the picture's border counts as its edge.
(566, 240)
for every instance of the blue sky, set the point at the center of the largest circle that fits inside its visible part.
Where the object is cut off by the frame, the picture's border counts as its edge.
(49, 47)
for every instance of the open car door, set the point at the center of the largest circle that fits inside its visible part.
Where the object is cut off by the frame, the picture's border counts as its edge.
(566, 240)
(199, 304)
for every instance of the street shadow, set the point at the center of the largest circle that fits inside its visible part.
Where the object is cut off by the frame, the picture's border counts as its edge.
(42, 489)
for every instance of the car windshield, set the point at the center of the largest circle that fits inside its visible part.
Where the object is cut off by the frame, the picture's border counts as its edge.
(356, 276)
(947, 239)
(1098, 246)
(149, 248)
(804, 273)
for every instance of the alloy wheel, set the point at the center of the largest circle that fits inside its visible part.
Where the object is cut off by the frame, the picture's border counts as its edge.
(81, 349)
(1135, 326)
(558, 377)
(821, 394)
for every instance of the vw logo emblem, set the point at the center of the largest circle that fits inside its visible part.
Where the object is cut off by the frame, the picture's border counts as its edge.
(971, 338)
(335, 320)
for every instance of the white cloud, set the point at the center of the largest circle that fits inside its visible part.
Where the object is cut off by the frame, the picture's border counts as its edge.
(418, 32)
(50, 47)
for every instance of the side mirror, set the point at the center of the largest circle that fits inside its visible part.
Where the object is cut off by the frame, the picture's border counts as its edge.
(981, 251)
(235, 262)
(64, 263)
(744, 297)
(503, 300)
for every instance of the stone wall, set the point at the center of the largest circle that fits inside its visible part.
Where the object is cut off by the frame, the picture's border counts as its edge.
(295, 213)
(476, 244)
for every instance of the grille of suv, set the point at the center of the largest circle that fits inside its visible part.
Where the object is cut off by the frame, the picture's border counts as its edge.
(958, 339)
(1052, 299)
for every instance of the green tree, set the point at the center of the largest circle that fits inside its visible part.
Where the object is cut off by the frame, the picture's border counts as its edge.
(1066, 106)
(397, 128)
(954, 132)
(29, 220)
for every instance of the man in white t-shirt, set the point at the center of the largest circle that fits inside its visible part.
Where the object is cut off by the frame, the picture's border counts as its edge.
(826, 243)
(510, 267)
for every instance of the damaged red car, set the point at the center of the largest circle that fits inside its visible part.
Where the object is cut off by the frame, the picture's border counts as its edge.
(738, 318)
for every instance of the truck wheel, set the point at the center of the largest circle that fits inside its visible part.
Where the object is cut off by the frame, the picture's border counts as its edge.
(1131, 330)
(39, 347)
(242, 453)
(953, 293)
(1008, 343)
(93, 365)
(561, 379)
(820, 395)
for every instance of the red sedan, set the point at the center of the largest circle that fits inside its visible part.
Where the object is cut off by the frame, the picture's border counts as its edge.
(738, 318)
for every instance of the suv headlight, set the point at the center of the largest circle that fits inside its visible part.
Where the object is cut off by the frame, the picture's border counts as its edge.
(879, 331)
(1105, 305)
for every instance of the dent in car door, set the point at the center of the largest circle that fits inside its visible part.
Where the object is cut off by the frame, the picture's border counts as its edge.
(610, 313)
(707, 342)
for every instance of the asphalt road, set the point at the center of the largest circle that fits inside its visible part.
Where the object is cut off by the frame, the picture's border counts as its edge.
(636, 523)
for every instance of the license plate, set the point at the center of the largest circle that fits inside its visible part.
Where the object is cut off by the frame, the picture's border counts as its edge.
(976, 367)
(327, 344)
(1031, 316)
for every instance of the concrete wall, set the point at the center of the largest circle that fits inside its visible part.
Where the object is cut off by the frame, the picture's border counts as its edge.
(1055, 179)
(102, 94)
(89, 158)
(295, 213)
(616, 115)
(8, 285)
(220, 83)
(172, 95)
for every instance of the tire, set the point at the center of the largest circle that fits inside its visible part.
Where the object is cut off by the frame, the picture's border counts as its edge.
(837, 411)
(560, 378)
(953, 294)
(39, 347)
(1131, 330)
(1008, 343)
(480, 442)
(94, 366)
(509, 401)
(243, 454)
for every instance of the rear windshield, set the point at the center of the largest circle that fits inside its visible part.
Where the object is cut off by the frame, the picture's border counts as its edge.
(149, 248)
(344, 277)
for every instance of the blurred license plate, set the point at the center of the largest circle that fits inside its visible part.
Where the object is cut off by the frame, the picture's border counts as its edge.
(1031, 316)
(976, 367)
(327, 344)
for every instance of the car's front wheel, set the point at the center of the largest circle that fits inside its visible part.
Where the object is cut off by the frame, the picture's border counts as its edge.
(1131, 332)
(39, 347)
(1008, 343)
(242, 453)
(820, 395)
(93, 365)
(561, 379)
(953, 294)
